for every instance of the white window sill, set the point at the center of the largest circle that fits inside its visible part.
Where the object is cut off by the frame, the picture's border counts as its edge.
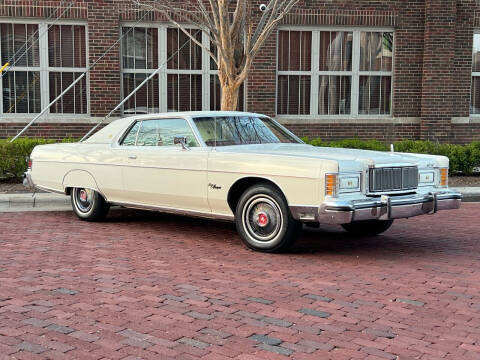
(472, 119)
(345, 119)
(54, 119)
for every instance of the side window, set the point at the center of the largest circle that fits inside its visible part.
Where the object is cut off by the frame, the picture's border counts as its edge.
(162, 132)
(129, 140)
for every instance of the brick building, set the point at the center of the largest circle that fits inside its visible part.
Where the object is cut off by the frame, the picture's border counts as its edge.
(385, 69)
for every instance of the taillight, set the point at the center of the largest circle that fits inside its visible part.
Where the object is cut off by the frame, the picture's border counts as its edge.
(29, 164)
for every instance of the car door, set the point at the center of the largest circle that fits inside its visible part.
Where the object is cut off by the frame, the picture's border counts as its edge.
(159, 173)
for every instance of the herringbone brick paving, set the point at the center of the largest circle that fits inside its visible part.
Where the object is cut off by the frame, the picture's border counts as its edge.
(153, 286)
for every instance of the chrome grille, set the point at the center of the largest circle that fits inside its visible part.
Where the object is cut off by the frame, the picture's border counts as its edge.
(393, 179)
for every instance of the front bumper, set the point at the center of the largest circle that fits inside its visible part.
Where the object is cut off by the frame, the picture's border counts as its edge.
(385, 207)
(388, 207)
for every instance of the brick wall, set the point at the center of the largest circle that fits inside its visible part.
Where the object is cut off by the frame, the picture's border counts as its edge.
(432, 72)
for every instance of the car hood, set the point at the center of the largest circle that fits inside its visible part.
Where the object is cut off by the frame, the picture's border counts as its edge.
(348, 159)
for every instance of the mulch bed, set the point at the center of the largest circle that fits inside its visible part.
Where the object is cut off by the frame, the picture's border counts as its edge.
(9, 187)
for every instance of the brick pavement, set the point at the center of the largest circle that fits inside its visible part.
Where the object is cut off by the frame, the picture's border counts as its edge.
(153, 286)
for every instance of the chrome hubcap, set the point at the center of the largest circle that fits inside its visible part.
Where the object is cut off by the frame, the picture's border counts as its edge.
(262, 218)
(83, 199)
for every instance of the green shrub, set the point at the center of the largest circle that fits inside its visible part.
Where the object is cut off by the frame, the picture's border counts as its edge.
(463, 158)
(13, 156)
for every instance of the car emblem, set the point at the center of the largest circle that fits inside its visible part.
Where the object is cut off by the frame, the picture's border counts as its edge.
(214, 186)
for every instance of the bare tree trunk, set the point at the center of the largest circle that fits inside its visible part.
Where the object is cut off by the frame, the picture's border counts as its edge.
(229, 97)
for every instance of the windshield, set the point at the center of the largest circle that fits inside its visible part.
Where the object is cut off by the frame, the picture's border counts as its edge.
(241, 130)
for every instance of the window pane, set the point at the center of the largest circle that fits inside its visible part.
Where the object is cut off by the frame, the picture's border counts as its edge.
(215, 94)
(16, 39)
(66, 46)
(293, 94)
(334, 95)
(475, 97)
(74, 101)
(184, 92)
(336, 51)
(375, 95)
(140, 48)
(294, 50)
(182, 52)
(79, 50)
(145, 100)
(162, 132)
(387, 52)
(132, 135)
(376, 51)
(21, 92)
(476, 53)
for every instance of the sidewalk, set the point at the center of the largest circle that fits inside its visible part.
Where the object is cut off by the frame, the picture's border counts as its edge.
(55, 202)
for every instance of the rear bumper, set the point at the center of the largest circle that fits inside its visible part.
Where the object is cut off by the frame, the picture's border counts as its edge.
(338, 211)
(388, 207)
(27, 180)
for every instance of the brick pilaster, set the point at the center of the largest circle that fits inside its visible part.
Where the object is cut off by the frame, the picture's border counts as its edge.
(438, 83)
(104, 30)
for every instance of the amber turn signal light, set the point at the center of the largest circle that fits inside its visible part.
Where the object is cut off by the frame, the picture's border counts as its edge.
(443, 177)
(331, 182)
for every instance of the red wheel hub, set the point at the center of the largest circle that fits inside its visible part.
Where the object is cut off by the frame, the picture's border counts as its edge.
(262, 219)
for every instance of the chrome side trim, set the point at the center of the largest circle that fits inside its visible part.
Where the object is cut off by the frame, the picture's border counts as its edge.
(175, 211)
(44, 188)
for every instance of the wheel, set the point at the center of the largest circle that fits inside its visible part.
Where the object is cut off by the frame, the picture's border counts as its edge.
(368, 227)
(88, 204)
(264, 221)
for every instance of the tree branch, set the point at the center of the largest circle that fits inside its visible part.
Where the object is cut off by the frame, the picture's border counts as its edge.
(165, 10)
(271, 25)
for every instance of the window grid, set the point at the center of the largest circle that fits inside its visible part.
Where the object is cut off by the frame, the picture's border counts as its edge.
(201, 77)
(355, 74)
(40, 73)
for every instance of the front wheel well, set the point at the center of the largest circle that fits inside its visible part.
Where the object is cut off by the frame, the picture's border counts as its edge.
(239, 187)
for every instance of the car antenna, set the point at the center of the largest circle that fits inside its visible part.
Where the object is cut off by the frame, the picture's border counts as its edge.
(215, 133)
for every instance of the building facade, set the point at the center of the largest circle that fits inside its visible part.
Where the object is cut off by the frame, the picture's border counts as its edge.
(391, 69)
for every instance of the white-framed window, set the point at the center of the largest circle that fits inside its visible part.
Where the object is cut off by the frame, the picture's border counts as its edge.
(334, 72)
(475, 87)
(56, 56)
(187, 81)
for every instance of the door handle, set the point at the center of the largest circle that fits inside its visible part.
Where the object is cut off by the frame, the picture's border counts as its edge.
(133, 157)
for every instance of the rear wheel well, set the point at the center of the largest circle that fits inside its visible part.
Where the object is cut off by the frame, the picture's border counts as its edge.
(239, 187)
(68, 191)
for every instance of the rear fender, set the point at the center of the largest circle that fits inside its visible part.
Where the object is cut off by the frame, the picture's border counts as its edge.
(79, 178)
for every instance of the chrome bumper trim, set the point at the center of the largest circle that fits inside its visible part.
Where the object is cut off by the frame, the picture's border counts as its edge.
(388, 207)
(27, 180)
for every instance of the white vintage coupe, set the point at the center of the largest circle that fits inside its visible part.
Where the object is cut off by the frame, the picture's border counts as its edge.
(243, 167)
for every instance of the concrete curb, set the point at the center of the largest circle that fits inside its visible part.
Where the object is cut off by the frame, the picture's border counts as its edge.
(34, 202)
(470, 194)
(57, 202)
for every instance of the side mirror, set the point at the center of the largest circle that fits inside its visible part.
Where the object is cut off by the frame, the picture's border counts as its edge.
(182, 140)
